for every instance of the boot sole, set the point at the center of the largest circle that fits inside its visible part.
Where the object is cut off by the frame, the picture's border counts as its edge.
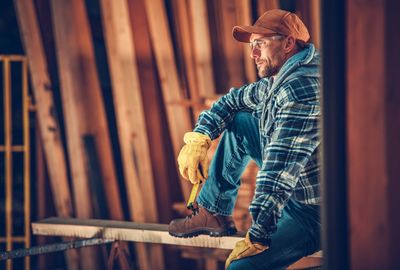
(230, 231)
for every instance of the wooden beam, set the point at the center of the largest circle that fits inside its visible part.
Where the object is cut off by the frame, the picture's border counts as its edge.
(315, 22)
(66, 49)
(232, 50)
(131, 122)
(185, 50)
(127, 231)
(146, 233)
(373, 132)
(86, 125)
(265, 5)
(47, 122)
(166, 178)
(46, 118)
(83, 106)
(245, 18)
(201, 46)
(309, 12)
(178, 117)
(163, 161)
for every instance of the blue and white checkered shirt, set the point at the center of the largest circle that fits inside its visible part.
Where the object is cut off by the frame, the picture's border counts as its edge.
(288, 110)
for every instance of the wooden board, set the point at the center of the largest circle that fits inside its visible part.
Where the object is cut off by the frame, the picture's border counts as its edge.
(200, 36)
(265, 5)
(83, 106)
(245, 18)
(85, 117)
(47, 122)
(178, 116)
(146, 233)
(315, 22)
(131, 122)
(65, 46)
(185, 52)
(130, 231)
(162, 157)
(373, 132)
(309, 13)
(127, 231)
(232, 49)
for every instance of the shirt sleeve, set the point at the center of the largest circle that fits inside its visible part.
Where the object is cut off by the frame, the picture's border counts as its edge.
(214, 121)
(293, 141)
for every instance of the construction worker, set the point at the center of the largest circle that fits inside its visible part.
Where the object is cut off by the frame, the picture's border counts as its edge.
(273, 121)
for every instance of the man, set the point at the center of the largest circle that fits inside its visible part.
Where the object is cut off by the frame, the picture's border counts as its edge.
(273, 121)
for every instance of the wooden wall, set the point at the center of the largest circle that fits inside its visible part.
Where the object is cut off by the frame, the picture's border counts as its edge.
(373, 134)
(116, 85)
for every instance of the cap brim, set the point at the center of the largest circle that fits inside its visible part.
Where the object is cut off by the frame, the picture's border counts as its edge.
(243, 33)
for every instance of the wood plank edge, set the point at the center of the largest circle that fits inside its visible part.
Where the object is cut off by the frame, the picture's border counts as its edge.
(131, 234)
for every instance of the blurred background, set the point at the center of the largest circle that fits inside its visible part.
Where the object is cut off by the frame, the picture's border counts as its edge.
(95, 129)
(97, 94)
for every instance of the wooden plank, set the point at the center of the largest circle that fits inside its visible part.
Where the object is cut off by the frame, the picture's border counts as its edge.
(373, 132)
(84, 114)
(178, 116)
(309, 12)
(232, 49)
(127, 231)
(185, 46)
(131, 122)
(201, 45)
(245, 18)
(82, 96)
(47, 121)
(163, 161)
(265, 5)
(315, 22)
(165, 174)
(66, 46)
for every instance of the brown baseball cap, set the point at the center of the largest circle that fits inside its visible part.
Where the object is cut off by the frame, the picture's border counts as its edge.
(272, 22)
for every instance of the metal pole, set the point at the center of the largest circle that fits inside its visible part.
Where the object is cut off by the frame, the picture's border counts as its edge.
(8, 154)
(18, 253)
(27, 167)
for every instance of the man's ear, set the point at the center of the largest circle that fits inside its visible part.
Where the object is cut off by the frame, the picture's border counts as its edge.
(290, 44)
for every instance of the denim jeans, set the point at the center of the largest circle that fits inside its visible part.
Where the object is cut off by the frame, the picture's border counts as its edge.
(298, 229)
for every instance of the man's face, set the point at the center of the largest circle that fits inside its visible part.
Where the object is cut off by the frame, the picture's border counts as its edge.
(268, 54)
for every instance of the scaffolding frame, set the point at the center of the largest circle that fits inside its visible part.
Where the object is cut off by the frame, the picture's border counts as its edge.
(9, 149)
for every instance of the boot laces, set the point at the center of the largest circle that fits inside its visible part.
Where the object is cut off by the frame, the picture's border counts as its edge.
(195, 212)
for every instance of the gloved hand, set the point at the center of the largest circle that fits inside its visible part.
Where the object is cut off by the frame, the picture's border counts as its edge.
(245, 248)
(192, 160)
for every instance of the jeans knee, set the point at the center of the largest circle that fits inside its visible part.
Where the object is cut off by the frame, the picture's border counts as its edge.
(235, 265)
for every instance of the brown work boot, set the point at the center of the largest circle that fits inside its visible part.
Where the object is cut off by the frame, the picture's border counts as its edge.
(202, 222)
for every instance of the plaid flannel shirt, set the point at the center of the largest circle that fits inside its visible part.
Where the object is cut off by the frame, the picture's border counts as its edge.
(288, 111)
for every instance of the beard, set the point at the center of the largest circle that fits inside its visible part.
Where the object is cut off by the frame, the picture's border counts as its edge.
(268, 67)
(267, 71)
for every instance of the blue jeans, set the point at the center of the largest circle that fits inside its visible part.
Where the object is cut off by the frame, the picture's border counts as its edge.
(298, 231)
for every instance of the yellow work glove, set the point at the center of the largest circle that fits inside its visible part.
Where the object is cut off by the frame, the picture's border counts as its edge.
(192, 160)
(244, 248)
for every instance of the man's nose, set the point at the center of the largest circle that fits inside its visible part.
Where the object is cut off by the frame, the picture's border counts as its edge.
(254, 53)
